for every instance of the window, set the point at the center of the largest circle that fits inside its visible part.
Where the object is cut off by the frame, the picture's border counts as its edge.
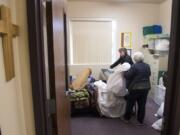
(92, 42)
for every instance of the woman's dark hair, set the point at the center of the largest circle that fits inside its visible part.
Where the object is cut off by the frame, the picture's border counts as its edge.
(123, 50)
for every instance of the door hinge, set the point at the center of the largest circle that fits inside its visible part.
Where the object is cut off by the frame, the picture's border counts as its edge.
(51, 106)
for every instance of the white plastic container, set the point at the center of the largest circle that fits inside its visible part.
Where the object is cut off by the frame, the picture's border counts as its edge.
(162, 44)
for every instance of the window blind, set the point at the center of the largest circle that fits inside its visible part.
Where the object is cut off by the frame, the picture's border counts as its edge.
(91, 42)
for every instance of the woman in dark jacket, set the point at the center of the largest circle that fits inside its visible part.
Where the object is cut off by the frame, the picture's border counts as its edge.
(138, 78)
(124, 57)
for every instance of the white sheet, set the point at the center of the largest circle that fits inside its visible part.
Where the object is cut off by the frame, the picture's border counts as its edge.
(111, 95)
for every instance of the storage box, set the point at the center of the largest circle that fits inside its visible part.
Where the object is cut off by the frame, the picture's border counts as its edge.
(147, 30)
(154, 29)
(157, 29)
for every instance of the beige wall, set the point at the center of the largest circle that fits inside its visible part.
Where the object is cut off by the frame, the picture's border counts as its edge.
(165, 21)
(165, 15)
(130, 17)
(16, 113)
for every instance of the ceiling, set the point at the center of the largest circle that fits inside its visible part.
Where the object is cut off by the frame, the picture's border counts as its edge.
(144, 1)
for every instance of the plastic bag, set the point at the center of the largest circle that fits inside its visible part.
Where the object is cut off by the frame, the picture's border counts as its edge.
(158, 125)
(160, 112)
(100, 84)
(159, 95)
(105, 73)
(116, 82)
(161, 83)
(111, 95)
(105, 98)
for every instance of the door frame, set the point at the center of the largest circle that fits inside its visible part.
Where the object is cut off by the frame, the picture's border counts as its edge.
(37, 62)
(172, 107)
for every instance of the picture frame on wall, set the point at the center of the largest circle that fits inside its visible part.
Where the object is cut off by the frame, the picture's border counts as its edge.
(126, 39)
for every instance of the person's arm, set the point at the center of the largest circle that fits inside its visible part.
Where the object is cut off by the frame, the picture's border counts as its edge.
(130, 73)
(129, 60)
(116, 63)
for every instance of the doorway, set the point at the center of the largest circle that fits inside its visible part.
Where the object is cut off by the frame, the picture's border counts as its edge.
(60, 124)
(126, 22)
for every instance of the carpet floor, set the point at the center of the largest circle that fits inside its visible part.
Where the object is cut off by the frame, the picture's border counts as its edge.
(93, 125)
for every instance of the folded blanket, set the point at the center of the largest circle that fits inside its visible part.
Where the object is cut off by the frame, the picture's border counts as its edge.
(78, 95)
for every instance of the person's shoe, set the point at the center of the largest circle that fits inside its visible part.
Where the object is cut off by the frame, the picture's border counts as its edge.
(137, 123)
(124, 120)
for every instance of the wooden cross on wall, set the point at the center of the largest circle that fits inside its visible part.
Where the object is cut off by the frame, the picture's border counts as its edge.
(7, 31)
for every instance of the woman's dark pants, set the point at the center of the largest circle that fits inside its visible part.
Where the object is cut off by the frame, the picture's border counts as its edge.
(139, 96)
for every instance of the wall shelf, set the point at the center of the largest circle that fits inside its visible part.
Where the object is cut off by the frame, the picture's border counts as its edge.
(150, 44)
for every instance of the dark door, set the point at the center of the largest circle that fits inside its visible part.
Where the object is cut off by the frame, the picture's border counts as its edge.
(56, 67)
(48, 58)
(60, 67)
(55, 50)
(50, 98)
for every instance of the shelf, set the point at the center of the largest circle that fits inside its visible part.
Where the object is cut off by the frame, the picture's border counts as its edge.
(158, 36)
(157, 53)
(155, 38)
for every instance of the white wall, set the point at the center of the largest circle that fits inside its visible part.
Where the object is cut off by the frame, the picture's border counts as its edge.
(130, 17)
(165, 21)
(16, 113)
(165, 15)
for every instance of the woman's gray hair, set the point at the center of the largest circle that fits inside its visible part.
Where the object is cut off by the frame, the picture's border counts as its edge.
(138, 57)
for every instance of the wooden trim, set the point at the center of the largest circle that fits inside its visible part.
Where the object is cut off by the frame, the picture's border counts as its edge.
(37, 65)
(172, 106)
(51, 60)
(50, 48)
(60, 65)
(66, 50)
